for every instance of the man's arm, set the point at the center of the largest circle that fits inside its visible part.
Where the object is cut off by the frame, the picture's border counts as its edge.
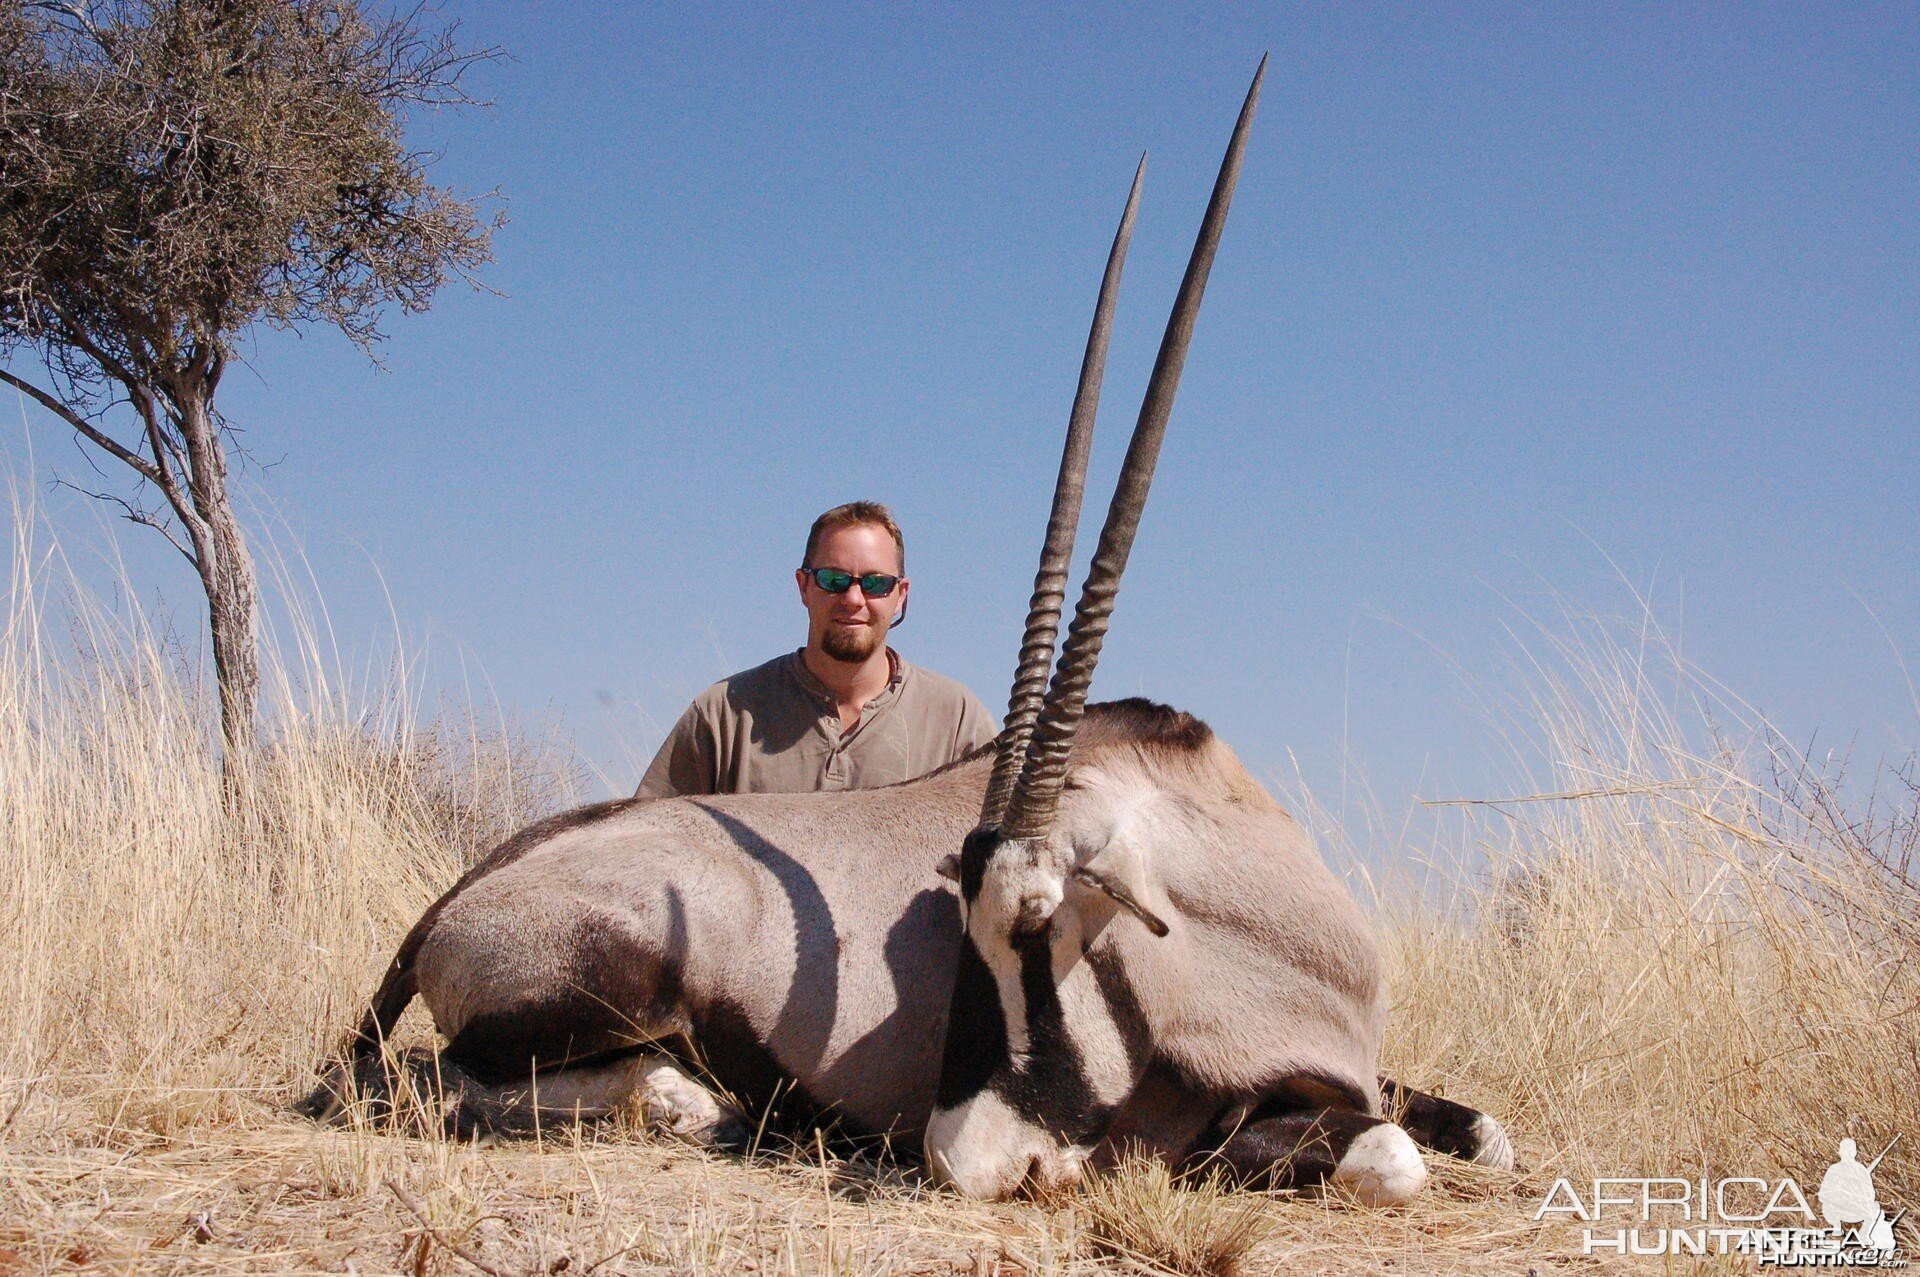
(685, 763)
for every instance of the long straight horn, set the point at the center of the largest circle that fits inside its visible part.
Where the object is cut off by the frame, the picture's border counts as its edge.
(1050, 583)
(1036, 793)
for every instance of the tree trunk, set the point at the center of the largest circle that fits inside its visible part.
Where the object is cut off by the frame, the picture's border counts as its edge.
(226, 574)
(231, 599)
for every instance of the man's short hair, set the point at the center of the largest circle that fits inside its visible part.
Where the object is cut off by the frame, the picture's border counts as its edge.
(854, 514)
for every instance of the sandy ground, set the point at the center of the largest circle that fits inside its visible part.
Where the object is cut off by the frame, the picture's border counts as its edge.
(253, 1191)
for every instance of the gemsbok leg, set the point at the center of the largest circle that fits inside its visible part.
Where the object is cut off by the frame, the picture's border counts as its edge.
(1447, 1127)
(1288, 1143)
(1282, 1148)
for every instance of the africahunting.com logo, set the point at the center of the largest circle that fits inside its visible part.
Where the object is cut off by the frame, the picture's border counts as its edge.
(1772, 1221)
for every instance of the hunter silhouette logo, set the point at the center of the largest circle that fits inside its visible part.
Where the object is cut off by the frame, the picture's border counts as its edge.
(1848, 1203)
(1770, 1220)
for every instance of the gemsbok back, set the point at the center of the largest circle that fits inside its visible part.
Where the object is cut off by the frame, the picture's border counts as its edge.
(1137, 948)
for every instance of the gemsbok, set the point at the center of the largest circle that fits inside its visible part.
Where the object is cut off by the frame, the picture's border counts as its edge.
(1137, 949)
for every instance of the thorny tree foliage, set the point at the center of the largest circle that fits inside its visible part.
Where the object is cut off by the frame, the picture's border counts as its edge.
(174, 171)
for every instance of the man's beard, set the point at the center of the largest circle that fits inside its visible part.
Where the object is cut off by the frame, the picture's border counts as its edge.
(851, 646)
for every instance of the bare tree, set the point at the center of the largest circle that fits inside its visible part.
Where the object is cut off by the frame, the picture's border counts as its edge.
(173, 172)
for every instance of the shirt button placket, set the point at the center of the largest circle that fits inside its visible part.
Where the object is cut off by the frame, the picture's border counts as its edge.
(836, 770)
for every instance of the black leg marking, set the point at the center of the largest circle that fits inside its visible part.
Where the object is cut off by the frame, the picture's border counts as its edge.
(357, 1062)
(1286, 1150)
(611, 996)
(1447, 1127)
(413, 1091)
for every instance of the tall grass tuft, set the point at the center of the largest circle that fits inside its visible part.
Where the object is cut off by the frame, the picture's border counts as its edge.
(1139, 1213)
(1686, 951)
(164, 956)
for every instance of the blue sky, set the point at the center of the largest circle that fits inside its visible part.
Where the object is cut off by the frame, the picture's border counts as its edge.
(1519, 307)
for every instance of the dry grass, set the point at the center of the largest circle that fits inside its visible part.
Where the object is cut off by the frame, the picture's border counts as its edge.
(1141, 1214)
(1705, 963)
(1688, 955)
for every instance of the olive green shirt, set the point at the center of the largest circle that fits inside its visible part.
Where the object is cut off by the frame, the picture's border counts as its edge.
(776, 729)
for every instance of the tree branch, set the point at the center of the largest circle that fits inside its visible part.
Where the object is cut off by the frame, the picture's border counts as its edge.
(166, 456)
(75, 332)
(106, 443)
(134, 514)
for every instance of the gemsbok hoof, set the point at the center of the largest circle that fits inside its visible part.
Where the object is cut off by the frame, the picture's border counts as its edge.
(1383, 1167)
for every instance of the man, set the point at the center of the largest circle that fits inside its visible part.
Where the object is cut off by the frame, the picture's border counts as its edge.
(845, 711)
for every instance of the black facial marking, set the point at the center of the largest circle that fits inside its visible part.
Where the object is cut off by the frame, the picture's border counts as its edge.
(975, 852)
(1053, 1089)
(1050, 1087)
(976, 1031)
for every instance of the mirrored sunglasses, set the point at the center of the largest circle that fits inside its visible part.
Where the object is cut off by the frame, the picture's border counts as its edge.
(875, 585)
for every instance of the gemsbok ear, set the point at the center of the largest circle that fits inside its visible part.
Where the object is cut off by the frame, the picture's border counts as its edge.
(1118, 874)
(949, 866)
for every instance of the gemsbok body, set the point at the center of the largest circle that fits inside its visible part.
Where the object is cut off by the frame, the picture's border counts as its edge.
(1098, 935)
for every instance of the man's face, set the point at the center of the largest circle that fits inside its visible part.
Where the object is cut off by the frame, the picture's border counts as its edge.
(851, 627)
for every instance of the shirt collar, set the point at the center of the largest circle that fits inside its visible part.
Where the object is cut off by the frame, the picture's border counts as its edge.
(897, 674)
